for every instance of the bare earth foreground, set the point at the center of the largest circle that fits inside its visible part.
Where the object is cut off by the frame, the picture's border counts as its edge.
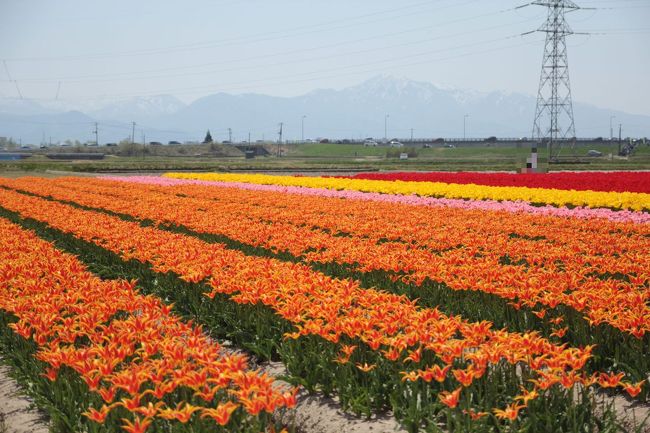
(17, 414)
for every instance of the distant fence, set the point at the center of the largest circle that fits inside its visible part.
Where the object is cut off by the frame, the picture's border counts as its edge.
(75, 156)
(469, 142)
(4, 156)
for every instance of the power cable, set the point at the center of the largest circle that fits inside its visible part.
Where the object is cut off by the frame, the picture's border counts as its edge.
(285, 63)
(246, 85)
(262, 37)
(4, 62)
(271, 55)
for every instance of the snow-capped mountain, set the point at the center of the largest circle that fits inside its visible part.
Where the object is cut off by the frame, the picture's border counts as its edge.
(380, 106)
(142, 108)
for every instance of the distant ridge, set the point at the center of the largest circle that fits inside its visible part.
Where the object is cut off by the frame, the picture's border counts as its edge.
(353, 112)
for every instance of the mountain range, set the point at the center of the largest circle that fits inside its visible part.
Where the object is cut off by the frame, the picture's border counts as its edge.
(380, 106)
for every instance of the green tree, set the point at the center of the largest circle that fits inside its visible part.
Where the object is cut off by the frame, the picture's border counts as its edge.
(208, 138)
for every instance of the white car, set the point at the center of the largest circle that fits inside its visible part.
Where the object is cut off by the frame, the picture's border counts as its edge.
(370, 143)
(395, 143)
(594, 153)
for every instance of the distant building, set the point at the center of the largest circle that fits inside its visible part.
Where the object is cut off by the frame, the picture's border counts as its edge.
(253, 150)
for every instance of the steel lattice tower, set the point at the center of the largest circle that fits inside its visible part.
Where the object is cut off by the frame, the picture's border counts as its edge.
(554, 124)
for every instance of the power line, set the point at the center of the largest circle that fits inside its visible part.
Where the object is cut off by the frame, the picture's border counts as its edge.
(84, 78)
(335, 72)
(302, 60)
(4, 62)
(262, 37)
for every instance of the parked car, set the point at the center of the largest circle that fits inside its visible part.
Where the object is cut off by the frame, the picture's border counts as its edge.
(370, 142)
(395, 143)
(324, 141)
(450, 146)
(594, 153)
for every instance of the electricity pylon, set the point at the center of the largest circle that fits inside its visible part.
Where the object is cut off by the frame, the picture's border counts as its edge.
(554, 123)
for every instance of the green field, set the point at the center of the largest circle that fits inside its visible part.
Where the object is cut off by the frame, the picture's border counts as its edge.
(331, 157)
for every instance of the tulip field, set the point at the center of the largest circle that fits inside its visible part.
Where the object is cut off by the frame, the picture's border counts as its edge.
(455, 302)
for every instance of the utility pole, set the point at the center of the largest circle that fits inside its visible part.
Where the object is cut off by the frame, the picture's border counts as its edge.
(465, 127)
(386, 128)
(96, 131)
(554, 122)
(302, 128)
(611, 130)
(280, 138)
(230, 135)
(411, 135)
(133, 133)
(249, 138)
(620, 131)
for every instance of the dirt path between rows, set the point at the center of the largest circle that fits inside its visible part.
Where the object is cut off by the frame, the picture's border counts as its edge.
(17, 414)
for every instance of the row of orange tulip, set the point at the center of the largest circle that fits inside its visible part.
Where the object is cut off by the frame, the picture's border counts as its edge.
(547, 263)
(329, 308)
(137, 361)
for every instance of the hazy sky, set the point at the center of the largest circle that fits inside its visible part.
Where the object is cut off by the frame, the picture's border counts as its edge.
(87, 50)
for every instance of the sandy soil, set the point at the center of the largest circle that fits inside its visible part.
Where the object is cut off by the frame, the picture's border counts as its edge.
(318, 414)
(16, 411)
(630, 414)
